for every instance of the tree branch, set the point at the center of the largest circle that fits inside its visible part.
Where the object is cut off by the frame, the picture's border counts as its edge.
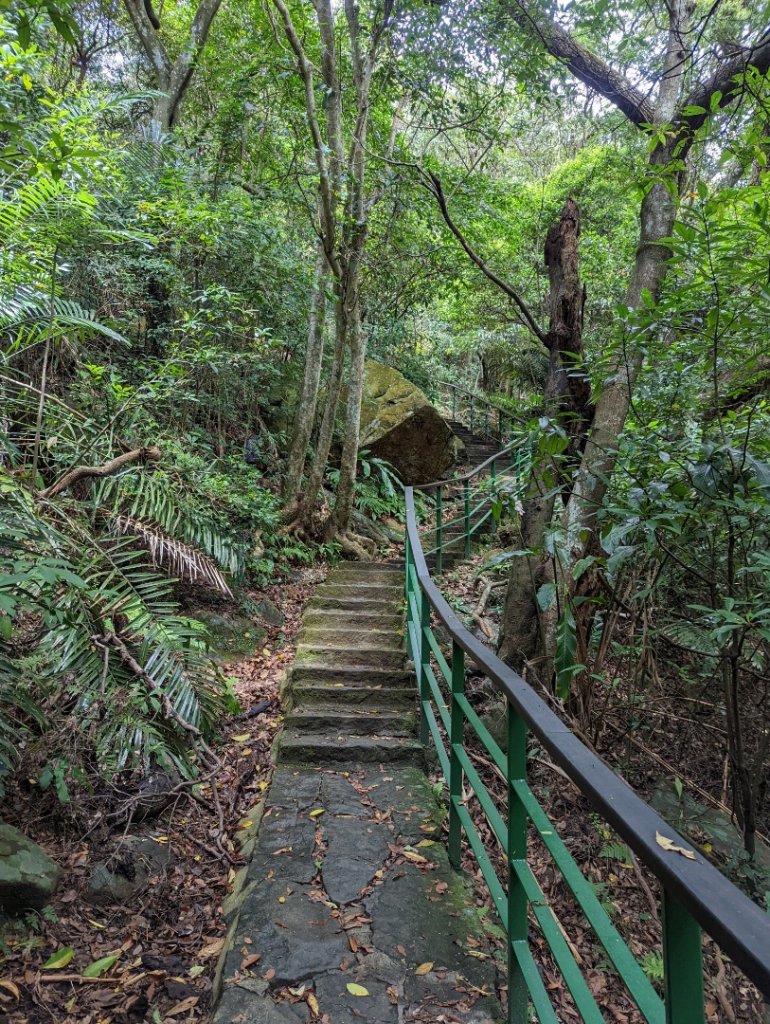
(724, 81)
(81, 472)
(585, 65)
(436, 189)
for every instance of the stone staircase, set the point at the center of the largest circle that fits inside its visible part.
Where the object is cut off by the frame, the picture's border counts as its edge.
(349, 694)
(477, 450)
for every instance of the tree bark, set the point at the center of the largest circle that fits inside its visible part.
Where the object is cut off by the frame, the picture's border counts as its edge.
(568, 401)
(172, 78)
(307, 403)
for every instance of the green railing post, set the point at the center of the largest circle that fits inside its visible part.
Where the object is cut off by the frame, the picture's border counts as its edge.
(439, 529)
(407, 592)
(493, 469)
(486, 419)
(682, 964)
(455, 767)
(470, 425)
(518, 999)
(467, 517)
(424, 663)
(454, 404)
(500, 427)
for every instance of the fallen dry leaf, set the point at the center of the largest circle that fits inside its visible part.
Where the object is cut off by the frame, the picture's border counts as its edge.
(671, 847)
(425, 968)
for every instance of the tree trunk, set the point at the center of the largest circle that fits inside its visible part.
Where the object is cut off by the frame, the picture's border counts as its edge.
(568, 401)
(304, 418)
(657, 216)
(302, 522)
(339, 521)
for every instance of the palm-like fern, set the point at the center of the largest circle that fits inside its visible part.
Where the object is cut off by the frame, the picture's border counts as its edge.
(138, 675)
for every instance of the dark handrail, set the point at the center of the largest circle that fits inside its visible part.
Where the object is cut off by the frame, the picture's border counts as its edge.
(471, 473)
(739, 926)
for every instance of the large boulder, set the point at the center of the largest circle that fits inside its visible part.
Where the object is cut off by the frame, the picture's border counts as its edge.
(28, 876)
(399, 424)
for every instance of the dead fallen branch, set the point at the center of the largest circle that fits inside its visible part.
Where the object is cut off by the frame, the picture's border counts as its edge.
(113, 466)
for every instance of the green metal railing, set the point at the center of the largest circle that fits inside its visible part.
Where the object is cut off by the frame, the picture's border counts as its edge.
(695, 897)
(462, 506)
(476, 411)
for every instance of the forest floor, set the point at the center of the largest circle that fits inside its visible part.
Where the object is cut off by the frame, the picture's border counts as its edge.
(167, 936)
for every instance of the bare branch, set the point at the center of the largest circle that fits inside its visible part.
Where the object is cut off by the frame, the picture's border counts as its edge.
(82, 472)
(437, 191)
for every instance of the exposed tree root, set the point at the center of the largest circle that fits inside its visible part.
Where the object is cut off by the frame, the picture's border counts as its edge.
(355, 544)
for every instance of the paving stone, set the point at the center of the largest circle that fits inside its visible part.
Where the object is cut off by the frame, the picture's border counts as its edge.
(434, 930)
(239, 1006)
(298, 938)
(344, 1008)
(356, 851)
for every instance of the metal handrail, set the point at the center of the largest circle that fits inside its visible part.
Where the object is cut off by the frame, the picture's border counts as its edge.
(476, 399)
(695, 895)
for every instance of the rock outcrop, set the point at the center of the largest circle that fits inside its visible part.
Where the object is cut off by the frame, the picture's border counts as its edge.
(399, 424)
(28, 876)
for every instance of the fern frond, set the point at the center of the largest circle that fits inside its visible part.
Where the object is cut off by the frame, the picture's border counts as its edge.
(174, 555)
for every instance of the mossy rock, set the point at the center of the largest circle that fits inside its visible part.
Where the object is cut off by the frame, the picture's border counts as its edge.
(28, 876)
(399, 424)
(230, 636)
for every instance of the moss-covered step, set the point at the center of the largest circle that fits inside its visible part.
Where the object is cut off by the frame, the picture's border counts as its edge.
(343, 657)
(349, 721)
(351, 635)
(298, 748)
(331, 618)
(315, 694)
(334, 675)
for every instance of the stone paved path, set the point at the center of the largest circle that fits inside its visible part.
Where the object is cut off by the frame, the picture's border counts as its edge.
(348, 882)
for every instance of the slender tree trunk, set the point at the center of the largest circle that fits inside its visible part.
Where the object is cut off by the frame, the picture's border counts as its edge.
(304, 418)
(302, 522)
(339, 521)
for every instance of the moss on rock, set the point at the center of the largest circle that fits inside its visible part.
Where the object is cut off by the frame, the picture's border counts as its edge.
(399, 424)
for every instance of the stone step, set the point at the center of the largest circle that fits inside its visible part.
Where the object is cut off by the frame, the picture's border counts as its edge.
(340, 657)
(352, 602)
(355, 721)
(369, 568)
(376, 591)
(298, 749)
(350, 675)
(383, 577)
(358, 619)
(352, 635)
(325, 695)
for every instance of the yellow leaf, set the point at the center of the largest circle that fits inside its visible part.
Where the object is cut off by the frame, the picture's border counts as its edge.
(246, 824)
(243, 737)
(312, 1002)
(317, 812)
(281, 899)
(95, 924)
(356, 990)
(425, 968)
(426, 842)
(59, 959)
(671, 847)
(10, 987)
(211, 949)
(415, 858)
(183, 1007)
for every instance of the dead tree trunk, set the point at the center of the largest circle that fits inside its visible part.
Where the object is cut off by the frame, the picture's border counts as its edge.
(568, 403)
